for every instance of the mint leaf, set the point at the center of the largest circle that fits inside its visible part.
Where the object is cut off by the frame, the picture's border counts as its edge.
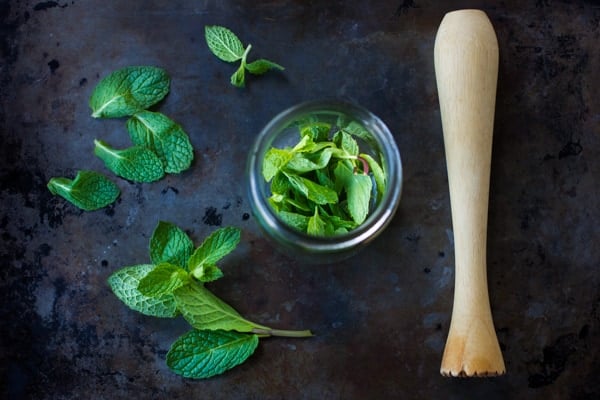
(216, 246)
(378, 175)
(346, 142)
(124, 284)
(223, 43)
(356, 129)
(317, 131)
(313, 191)
(163, 279)
(275, 159)
(302, 162)
(200, 354)
(295, 220)
(358, 189)
(316, 226)
(238, 79)
(89, 190)
(261, 66)
(129, 90)
(207, 273)
(203, 310)
(138, 163)
(163, 136)
(170, 244)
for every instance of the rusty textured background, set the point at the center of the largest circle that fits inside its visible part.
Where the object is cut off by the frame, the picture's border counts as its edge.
(382, 317)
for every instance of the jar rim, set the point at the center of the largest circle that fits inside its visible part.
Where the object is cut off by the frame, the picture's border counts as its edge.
(375, 222)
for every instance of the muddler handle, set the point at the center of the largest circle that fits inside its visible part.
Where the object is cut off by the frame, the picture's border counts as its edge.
(466, 69)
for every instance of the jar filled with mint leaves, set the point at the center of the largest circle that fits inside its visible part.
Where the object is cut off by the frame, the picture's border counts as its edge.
(325, 179)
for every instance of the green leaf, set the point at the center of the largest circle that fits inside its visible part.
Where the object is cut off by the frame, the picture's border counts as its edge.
(302, 162)
(316, 226)
(124, 284)
(317, 131)
(313, 191)
(223, 43)
(378, 175)
(356, 129)
(295, 220)
(207, 273)
(170, 244)
(216, 246)
(138, 163)
(346, 142)
(358, 189)
(89, 190)
(238, 79)
(129, 90)
(163, 279)
(275, 159)
(203, 310)
(261, 66)
(201, 354)
(280, 184)
(163, 136)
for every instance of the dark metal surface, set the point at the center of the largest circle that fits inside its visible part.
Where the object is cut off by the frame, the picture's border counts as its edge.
(381, 318)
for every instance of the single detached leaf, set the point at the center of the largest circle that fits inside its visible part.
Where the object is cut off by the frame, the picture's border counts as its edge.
(89, 190)
(203, 310)
(129, 90)
(261, 66)
(163, 136)
(124, 284)
(201, 354)
(138, 163)
(163, 279)
(216, 246)
(223, 43)
(170, 244)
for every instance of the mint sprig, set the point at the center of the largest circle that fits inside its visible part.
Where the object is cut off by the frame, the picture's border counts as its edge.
(221, 338)
(225, 44)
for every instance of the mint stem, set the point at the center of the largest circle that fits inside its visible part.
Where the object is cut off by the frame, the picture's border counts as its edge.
(282, 332)
(365, 165)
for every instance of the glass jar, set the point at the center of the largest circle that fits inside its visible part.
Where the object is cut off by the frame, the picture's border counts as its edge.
(282, 131)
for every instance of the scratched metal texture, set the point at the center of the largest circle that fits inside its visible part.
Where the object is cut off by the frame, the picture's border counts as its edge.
(380, 318)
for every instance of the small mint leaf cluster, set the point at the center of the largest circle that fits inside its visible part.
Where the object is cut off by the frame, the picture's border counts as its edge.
(174, 284)
(225, 44)
(160, 145)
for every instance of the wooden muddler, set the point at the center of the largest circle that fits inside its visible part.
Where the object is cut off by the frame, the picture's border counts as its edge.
(466, 69)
